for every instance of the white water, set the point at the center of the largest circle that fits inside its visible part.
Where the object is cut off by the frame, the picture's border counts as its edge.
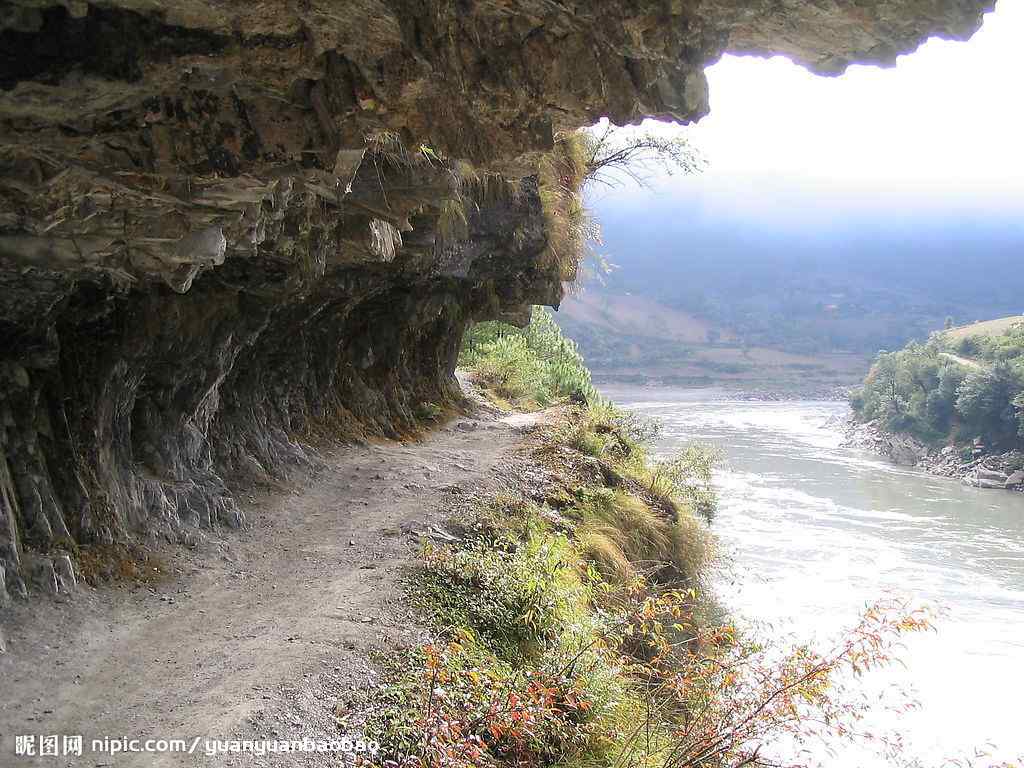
(813, 532)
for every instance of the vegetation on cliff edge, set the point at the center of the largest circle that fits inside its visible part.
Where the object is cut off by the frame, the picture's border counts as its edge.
(573, 625)
(530, 367)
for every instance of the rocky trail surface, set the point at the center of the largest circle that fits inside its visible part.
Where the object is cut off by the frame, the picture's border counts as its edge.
(263, 633)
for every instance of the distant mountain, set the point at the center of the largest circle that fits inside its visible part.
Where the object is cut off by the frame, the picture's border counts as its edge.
(703, 284)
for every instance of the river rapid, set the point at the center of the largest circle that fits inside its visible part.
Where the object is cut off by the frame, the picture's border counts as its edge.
(811, 532)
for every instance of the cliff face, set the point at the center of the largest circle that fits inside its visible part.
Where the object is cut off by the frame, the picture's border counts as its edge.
(222, 233)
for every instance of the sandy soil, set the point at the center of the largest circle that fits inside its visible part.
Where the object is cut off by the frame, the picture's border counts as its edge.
(262, 633)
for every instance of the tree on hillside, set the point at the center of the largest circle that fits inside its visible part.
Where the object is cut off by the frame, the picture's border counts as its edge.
(881, 396)
(969, 346)
(985, 401)
(1018, 403)
(905, 391)
(940, 405)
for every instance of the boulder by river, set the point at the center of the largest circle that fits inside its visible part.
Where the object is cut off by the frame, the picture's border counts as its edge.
(1001, 471)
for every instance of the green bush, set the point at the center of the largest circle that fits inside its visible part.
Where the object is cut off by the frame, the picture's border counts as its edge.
(535, 365)
(508, 366)
(687, 476)
(554, 633)
(524, 671)
(515, 601)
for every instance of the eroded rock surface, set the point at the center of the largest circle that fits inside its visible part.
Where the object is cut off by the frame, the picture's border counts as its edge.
(205, 263)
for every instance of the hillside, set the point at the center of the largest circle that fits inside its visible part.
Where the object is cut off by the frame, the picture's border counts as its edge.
(964, 384)
(629, 315)
(983, 329)
(630, 338)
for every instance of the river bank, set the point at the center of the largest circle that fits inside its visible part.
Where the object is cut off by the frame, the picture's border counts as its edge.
(971, 466)
(811, 531)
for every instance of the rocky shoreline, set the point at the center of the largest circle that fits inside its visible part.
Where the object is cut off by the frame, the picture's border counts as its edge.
(972, 466)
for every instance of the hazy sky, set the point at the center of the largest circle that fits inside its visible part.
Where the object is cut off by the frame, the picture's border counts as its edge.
(944, 127)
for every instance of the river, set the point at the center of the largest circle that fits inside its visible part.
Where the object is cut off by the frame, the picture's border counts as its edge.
(811, 532)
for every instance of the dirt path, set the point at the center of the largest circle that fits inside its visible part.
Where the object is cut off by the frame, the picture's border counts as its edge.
(263, 633)
(974, 365)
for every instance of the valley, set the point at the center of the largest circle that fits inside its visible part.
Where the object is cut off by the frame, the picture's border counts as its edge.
(634, 339)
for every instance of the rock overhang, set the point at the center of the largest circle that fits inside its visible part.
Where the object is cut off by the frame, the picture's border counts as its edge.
(203, 266)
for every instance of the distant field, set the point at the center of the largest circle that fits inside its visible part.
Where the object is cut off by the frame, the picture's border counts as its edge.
(759, 365)
(636, 338)
(986, 328)
(640, 316)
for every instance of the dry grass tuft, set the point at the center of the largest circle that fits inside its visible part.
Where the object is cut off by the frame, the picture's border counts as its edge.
(619, 527)
(600, 546)
(569, 226)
